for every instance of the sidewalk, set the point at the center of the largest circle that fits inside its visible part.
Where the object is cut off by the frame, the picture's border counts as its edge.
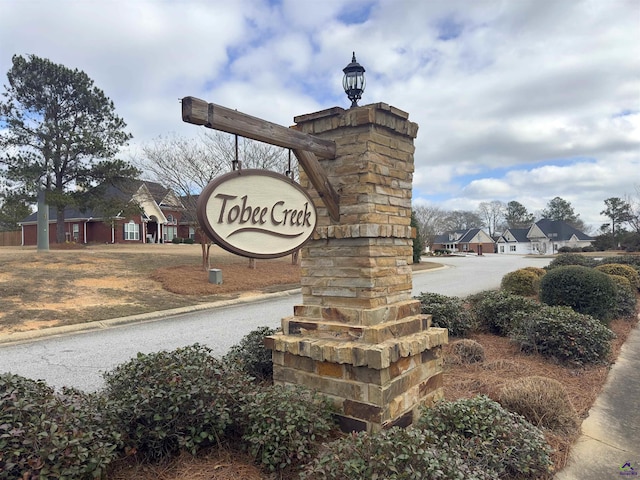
(609, 446)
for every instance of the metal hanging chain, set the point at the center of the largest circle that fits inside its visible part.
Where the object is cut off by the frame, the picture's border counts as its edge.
(289, 173)
(237, 165)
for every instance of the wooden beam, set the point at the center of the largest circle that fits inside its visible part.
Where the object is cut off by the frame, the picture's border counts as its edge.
(320, 182)
(199, 112)
(305, 147)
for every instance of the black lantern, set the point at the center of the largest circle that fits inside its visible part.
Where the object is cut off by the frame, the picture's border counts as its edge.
(353, 81)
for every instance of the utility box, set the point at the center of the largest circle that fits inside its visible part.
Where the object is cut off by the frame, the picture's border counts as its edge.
(215, 275)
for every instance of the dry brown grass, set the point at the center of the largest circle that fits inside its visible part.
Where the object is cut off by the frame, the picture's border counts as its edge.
(465, 351)
(542, 401)
(193, 280)
(504, 363)
(215, 464)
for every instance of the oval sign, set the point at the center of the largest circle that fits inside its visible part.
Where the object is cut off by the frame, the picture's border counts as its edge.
(256, 213)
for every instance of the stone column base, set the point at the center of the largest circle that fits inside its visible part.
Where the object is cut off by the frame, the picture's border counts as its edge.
(372, 385)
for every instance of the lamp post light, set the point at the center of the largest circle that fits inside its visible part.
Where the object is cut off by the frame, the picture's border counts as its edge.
(353, 81)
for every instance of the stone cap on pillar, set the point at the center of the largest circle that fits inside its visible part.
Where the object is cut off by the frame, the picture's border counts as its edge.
(379, 113)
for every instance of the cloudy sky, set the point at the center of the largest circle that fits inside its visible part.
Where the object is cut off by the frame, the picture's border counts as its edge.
(516, 99)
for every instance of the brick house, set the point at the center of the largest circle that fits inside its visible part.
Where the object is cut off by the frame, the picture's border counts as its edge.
(473, 240)
(162, 218)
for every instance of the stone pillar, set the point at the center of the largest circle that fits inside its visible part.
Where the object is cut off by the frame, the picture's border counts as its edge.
(358, 336)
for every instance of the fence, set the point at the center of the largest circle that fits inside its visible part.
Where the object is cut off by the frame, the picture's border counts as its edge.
(10, 239)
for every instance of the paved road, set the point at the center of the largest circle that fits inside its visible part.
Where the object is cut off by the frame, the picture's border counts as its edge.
(472, 274)
(79, 359)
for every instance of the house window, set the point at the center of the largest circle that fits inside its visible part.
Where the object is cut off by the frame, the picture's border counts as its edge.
(512, 248)
(170, 233)
(76, 232)
(171, 220)
(501, 248)
(465, 247)
(192, 233)
(131, 231)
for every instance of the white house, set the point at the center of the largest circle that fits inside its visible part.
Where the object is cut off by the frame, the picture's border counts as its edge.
(543, 237)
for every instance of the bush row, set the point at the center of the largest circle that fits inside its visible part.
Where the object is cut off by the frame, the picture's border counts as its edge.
(468, 438)
(178, 240)
(157, 404)
(154, 406)
(588, 248)
(561, 311)
(577, 259)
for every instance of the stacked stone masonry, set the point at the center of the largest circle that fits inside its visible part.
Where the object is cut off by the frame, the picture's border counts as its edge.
(359, 337)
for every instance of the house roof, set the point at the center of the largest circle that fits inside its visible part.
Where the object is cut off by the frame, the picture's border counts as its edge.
(457, 236)
(468, 235)
(520, 234)
(452, 236)
(560, 230)
(70, 213)
(123, 189)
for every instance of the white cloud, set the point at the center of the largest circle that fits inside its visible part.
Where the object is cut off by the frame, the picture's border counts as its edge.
(513, 99)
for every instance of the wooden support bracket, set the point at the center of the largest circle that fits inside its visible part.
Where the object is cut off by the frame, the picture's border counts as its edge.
(305, 147)
(320, 182)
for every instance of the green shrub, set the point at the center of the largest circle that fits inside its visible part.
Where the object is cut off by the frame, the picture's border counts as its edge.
(176, 240)
(48, 435)
(488, 437)
(622, 270)
(631, 260)
(521, 282)
(251, 356)
(182, 399)
(284, 425)
(497, 311)
(626, 298)
(394, 454)
(565, 259)
(584, 289)
(188, 241)
(447, 312)
(561, 333)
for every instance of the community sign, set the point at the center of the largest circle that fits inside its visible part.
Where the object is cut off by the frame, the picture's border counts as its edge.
(256, 213)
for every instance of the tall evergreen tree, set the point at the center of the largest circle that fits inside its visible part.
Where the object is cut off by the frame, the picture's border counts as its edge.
(560, 209)
(517, 215)
(60, 134)
(618, 211)
(12, 210)
(418, 242)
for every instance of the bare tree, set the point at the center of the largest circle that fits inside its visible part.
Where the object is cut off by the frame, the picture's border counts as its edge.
(634, 210)
(492, 214)
(187, 165)
(461, 220)
(431, 221)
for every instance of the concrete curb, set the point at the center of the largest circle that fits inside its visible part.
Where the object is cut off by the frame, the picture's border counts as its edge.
(33, 335)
